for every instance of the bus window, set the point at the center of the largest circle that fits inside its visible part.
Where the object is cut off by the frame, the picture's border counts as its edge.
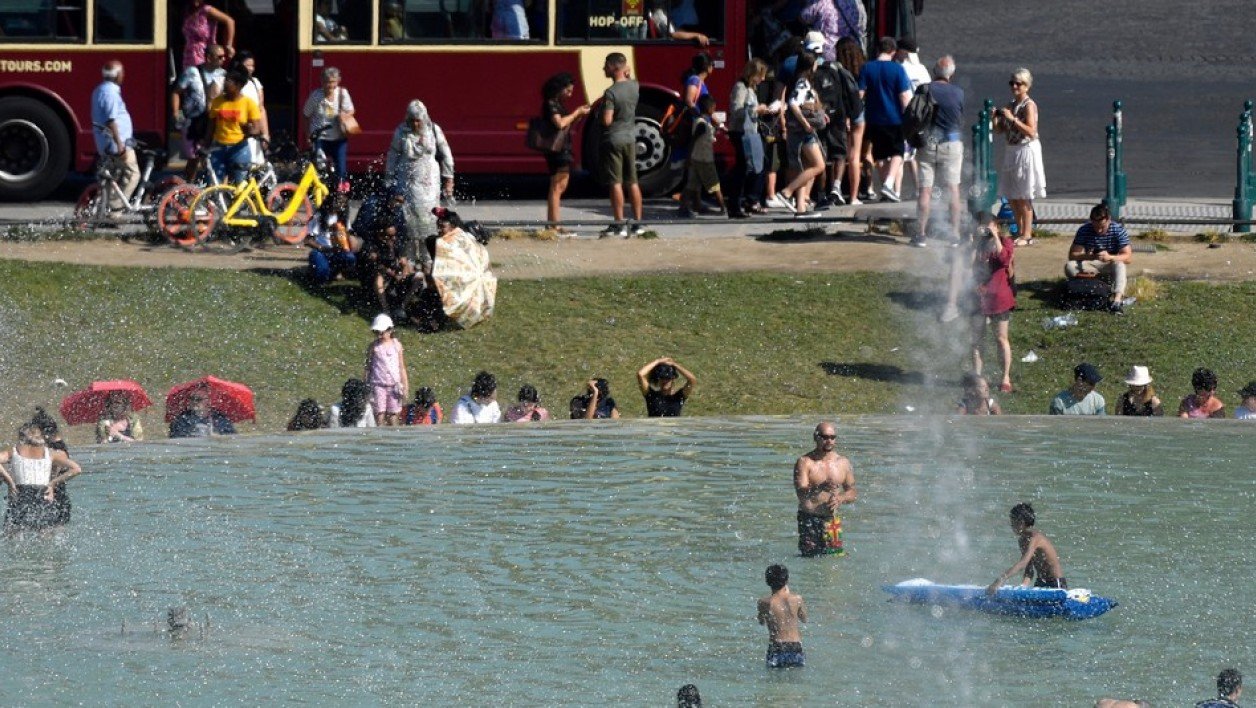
(124, 21)
(640, 20)
(342, 21)
(428, 21)
(42, 21)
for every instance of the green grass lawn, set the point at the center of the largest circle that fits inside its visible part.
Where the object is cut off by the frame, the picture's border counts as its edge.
(759, 343)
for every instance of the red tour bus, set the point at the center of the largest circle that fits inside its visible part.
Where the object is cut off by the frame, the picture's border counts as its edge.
(480, 89)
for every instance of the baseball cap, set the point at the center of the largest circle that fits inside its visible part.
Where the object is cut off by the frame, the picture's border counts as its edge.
(1088, 373)
(381, 323)
(813, 41)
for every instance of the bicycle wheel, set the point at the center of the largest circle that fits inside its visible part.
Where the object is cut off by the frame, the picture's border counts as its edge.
(208, 209)
(174, 213)
(298, 227)
(88, 207)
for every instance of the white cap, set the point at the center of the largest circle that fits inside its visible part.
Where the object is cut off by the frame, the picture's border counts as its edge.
(381, 323)
(1138, 376)
(813, 41)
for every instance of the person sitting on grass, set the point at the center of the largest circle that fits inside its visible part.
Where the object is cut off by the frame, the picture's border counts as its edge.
(1039, 562)
(332, 251)
(657, 381)
(1204, 402)
(199, 420)
(977, 399)
(528, 409)
(595, 402)
(1101, 247)
(1141, 398)
(480, 403)
(386, 267)
(1247, 408)
(424, 410)
(309, 416)
(1081, 398)
(354, 409)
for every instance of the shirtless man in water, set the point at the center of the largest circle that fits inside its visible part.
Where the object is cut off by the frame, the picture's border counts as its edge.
(782, 612)
(1039, 561)
(823, 481)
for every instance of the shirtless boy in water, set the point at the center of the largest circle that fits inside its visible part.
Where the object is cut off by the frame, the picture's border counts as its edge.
(823, 481)
(1039, 561)
(782, 611)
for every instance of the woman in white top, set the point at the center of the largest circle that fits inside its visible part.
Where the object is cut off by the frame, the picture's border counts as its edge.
(480, 405)
(33, 473)
(1022, 179)
(245, 62)
(323, 109)
(354, 409)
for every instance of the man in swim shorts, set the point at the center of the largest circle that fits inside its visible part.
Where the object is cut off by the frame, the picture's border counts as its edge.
(823, 481)
(782, 611)
(1039, 561)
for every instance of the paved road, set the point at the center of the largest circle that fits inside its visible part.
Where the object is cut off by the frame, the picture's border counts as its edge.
(1182, 70)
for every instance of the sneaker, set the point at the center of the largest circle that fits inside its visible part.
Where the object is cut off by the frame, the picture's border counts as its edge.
(949, 314)
(919, 242)
(889, 195)
(614, 231)
(685, 213)
(637, 230)
(779, 202)
(807, 215)
(836, 198)
(1116, 308)
(856, 202)
(868, 195)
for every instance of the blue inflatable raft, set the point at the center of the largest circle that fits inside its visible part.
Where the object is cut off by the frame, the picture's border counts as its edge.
(1008, 600)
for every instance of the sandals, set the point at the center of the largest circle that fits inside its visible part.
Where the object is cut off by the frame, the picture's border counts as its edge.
(1025, 241)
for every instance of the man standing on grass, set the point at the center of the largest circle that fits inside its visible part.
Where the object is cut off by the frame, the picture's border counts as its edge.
(823, 481)
(1101, 247)
(619, 144)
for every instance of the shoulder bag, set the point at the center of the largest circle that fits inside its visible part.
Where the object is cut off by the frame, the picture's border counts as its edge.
(346, 122)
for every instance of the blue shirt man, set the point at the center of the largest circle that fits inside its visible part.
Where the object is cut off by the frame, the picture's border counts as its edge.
(886, 90)
(111, 126)
(1101, 247)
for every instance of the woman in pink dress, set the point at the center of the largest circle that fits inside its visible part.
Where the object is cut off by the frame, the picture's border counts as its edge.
(200, 24)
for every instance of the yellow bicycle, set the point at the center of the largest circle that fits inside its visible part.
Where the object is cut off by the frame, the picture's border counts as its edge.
(284, 215)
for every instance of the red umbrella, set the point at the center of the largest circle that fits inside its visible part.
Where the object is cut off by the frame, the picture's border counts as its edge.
(85, 406)
(234, 400)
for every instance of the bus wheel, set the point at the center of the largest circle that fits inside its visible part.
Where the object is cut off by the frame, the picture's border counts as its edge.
(34, 149)
(654, 173)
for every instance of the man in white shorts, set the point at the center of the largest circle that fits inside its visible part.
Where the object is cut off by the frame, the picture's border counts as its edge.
(941, 158)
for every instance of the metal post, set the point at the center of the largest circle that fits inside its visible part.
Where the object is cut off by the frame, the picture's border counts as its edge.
(1251, 164)
(982, 193)
(992, 174)
(1243, 184)
(1110, 196)
(1119, 124)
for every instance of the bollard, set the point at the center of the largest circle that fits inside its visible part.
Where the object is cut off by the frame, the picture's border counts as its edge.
(1110, 188)
(1118, 123)
(1251, 164)
(1245, 180)
(982, 193)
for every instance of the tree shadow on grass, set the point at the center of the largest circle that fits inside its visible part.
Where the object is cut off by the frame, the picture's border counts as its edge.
(918, 300)
(348, 296)
(886, 373)
(817, 234)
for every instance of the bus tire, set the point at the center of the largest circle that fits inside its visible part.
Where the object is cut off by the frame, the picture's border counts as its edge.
(34, 149)
(654, 175)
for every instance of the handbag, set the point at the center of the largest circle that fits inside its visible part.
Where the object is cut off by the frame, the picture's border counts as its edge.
(345, 121)
(544, 137)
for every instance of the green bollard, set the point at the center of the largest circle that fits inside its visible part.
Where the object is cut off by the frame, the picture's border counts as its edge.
(992, 173)
(1243, 187)
(1251, 165)
(1110, 182)
(981, 195)
(1118, 123)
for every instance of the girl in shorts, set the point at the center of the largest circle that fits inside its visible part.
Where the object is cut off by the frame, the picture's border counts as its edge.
(386, 372)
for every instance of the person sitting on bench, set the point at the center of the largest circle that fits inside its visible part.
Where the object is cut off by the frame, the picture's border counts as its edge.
(1101, 247)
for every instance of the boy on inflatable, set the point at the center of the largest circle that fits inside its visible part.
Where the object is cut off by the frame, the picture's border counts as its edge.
(1039, 561)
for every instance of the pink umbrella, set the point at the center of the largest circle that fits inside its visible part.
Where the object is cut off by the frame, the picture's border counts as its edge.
(234, 400)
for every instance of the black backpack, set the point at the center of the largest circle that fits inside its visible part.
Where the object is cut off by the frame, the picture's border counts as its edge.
(918, 116)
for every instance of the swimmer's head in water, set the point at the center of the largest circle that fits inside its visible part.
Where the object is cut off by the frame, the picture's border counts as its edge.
(1022, 515)
(777, 576)
(663, 375)
(425, 397)
(484, 386)
(688, 697)
(825, 435)
(1229, 681)
(177, 618)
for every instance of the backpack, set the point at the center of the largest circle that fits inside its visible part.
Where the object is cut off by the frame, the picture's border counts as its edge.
(838, 91)
(850, 93)
(918, 116)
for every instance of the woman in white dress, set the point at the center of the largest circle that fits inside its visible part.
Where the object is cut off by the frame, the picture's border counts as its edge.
(420, 162)
(1022, 179)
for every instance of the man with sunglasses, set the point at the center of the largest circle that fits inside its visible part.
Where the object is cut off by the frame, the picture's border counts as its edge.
(823, 481)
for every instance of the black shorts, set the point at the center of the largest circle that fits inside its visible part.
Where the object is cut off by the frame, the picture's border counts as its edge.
(887, 141)
(836, 140)
(559, 161)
